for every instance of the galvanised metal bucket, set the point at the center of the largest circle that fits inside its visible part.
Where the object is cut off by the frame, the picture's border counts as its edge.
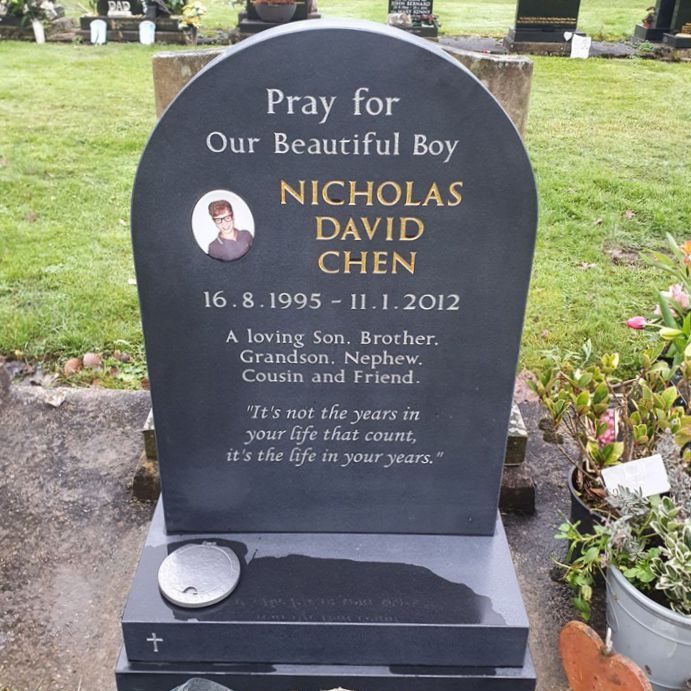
(657, 639)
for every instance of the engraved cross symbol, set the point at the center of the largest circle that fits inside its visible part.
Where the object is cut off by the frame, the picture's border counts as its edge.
(155, 640)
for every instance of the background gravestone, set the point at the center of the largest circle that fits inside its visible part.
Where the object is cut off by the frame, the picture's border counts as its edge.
(544, 21)
(134, 7)
(420, 11)
(124, 27)
(332, 395)
(662, 21)
(249, 21)
(679, 35)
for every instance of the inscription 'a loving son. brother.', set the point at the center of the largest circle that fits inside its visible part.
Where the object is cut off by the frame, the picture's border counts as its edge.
(320, 108)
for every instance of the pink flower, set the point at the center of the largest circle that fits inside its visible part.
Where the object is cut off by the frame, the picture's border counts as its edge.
(637, 323)
(679, 295)
(609, 435)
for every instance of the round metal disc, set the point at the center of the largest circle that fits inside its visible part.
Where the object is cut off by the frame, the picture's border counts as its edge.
(201, 685)
(199, 575)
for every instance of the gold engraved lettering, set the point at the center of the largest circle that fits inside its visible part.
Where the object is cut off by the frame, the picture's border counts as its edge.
(298, 196)
(325, 193)
(354, 193)
(398, 193)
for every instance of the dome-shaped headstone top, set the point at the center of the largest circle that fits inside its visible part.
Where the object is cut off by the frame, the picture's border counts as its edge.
(333, 229)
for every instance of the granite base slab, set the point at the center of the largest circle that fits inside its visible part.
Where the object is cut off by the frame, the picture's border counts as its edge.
(338, 599)
(540, 35)
(132, 676)
(677, 41)
(646, 33)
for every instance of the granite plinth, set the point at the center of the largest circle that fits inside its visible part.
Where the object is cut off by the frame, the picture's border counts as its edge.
(126, 29)
(314, 598)
(549, 35)
(133, 676)
(426, 30)
(677, 40)
(648, 33)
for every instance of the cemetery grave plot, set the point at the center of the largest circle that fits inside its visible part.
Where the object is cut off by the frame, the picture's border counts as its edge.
(421, 13)
(123, 19)
(344, 432)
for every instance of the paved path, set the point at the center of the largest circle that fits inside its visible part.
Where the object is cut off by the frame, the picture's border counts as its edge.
(70, 535)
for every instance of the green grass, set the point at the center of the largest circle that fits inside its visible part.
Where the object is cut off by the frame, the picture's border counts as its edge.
(65, 182)
(613, 19)
(606, 138)
(599, 152)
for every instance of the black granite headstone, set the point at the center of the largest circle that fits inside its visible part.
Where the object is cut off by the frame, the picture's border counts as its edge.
(120, 7)
(249, 21)
(679, 35)
(332, 306)
(421, 15)
(302, 10)
(681, 19)
(353, 370)
(415, 8)
(545, 20)
(660, 24)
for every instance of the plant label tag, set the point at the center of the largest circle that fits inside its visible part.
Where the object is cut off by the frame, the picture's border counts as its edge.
(645, 475)
(580, 46)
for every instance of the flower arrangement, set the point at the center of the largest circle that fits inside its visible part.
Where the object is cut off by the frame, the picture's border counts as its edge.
(427, 20)
(191, 14)
(649, 18)
(608, 419)
(611, 419)
(671, 319)
(31, 9)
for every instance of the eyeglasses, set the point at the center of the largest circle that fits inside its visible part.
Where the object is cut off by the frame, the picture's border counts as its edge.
(220, 219)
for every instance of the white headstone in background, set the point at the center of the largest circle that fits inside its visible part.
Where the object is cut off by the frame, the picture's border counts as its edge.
(99, 31)
(147, 33)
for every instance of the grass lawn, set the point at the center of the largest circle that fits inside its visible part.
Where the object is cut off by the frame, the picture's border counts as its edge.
(608, 139)
(599, 18)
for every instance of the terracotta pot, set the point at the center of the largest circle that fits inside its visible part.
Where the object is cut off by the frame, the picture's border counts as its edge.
(276, 14)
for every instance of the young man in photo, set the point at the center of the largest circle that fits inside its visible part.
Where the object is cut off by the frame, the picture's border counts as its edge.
(231, 243)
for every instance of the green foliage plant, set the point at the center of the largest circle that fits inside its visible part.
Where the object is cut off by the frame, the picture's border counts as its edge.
(647, 539)
(671, 320)
(609, 420)
(27, 9)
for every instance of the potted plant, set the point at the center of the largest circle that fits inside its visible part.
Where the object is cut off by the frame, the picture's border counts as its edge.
(610, 418)
(275, 11)
(191, 18)
(607, 419)
(645, 548)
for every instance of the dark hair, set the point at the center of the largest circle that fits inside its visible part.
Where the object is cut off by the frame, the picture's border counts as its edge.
(220, 205)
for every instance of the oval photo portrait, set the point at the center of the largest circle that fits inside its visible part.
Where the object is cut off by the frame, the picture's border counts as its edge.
(223, 225)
